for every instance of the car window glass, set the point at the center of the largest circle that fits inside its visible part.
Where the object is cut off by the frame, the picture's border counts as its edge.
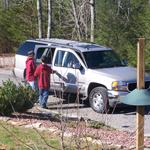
(59, 58)
(49, 56)
(39, 54)
(27, 46)
(70, 60)
(49, 52)
(79, 54)
(102, 59)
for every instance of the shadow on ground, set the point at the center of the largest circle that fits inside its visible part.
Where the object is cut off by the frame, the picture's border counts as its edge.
(69, 101)
(128, 110)
(37, 116)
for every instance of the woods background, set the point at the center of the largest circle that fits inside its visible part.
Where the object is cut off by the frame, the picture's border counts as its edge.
(113, 23)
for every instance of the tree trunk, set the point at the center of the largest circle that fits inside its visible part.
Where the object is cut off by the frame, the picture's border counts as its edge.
(5, 4)
(76, 19)
(39, 10)
(92, 2)
(49, 19)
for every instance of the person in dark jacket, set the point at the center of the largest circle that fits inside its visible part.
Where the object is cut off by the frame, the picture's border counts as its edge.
(43, 73)
(30, 69)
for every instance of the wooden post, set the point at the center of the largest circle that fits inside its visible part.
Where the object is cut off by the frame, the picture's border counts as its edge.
(140, 85)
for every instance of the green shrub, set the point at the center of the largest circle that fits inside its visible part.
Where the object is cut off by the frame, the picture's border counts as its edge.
(16, 97)
(28, 95)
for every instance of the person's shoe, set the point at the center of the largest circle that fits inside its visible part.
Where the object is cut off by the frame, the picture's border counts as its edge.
(36, 104)
(45, 107)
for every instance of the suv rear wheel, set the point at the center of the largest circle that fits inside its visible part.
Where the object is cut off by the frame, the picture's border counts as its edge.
(98, 99)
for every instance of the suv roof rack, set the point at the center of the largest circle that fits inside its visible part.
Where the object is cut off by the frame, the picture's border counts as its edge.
(82, 46)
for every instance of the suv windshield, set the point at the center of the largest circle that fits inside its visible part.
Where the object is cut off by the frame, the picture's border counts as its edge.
(102, 59)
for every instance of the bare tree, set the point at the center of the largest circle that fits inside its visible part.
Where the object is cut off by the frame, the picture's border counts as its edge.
(49, 18)
(39, 10)
(76, 19)
(5, 4)
(92, 2)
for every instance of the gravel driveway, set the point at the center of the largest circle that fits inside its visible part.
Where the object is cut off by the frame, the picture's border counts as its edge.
(123, 118)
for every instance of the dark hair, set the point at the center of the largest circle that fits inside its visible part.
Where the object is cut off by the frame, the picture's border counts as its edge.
(44, 59)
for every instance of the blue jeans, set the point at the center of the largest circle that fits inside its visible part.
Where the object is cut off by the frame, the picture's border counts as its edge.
(43, 97)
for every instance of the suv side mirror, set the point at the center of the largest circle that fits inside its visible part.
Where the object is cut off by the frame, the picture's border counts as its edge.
(77, 66)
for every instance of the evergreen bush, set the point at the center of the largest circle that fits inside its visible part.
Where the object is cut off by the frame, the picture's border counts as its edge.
(16, 98)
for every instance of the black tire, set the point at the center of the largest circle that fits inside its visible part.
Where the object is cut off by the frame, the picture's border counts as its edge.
(98, 100)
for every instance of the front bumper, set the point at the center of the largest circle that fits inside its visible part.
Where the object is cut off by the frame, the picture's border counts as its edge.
(115, 97)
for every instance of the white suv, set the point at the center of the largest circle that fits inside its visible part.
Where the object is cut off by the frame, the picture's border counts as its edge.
(95, 72)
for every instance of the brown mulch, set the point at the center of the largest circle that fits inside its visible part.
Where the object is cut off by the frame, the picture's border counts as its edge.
(106, 135)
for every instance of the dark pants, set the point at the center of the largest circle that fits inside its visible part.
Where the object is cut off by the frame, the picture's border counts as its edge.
(43, 97)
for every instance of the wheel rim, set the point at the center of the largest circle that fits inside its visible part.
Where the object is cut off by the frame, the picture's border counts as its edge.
(98, 101)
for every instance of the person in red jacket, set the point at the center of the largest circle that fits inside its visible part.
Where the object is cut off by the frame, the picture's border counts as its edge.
(43, 72)
(30, 69)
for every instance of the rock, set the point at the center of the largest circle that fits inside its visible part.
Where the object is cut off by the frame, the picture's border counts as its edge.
(17, 123)
(34, 125)
(99, 142)
(132, 147)
(3, 147)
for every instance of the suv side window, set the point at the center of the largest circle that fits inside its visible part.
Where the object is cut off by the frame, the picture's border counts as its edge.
(39, 53)
(59, 58)
(70, 60)
(26, 46)
(45, 51)
(49, 52)
(65, 59)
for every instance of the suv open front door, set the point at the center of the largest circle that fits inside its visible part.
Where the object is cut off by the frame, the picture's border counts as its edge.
(48, 51)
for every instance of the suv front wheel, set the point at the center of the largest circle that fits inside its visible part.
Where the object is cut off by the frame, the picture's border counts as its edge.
(98, 100)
